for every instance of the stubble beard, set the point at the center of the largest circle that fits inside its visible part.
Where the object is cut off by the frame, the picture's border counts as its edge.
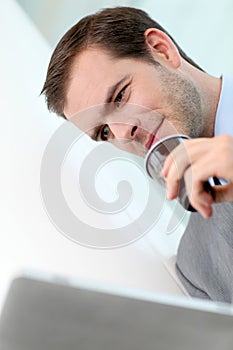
(184, 101)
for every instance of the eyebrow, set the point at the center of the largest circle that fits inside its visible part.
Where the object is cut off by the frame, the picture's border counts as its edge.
(110, 93)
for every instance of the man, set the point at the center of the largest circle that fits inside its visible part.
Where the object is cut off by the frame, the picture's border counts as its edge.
(121, 58)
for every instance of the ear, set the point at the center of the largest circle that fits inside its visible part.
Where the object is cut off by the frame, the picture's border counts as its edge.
(162, 47)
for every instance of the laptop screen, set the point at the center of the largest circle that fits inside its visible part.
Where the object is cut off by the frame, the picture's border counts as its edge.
(40, 315)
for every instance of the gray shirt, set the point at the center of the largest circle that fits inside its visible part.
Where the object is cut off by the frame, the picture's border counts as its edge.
(205, 255)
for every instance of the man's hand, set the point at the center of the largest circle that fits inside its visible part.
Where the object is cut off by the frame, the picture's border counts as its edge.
(197, 160)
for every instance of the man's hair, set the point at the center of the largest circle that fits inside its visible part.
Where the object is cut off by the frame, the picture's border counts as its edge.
(119, 31)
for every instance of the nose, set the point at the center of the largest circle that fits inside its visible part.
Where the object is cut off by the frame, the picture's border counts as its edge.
(123, 131)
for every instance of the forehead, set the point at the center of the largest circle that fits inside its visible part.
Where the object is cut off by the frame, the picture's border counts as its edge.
(92, 73)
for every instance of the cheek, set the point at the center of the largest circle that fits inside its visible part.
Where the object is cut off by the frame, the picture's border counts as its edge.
(147, 96)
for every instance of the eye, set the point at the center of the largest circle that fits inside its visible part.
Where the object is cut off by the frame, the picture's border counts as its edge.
(120, 97)
(104, 133)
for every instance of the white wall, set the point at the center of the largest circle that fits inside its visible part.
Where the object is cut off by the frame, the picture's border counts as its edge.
(204, 29)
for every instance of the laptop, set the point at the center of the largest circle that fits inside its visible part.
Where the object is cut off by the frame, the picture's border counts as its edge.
(50, 314)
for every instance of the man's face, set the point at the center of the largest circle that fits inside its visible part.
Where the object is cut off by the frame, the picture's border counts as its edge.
(134, 103)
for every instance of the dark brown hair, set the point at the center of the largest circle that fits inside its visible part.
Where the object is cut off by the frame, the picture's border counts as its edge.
(118, 30)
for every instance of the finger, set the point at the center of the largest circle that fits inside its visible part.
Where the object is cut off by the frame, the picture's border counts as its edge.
(173, 183)
(193, 149)
(183, 155)
(177, 156)
(175, 170)
(167, 165)
(198, 197)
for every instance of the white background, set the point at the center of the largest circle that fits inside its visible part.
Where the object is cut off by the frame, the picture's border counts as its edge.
(203, 28)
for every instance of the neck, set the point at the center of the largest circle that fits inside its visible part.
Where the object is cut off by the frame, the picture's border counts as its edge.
(211, 87)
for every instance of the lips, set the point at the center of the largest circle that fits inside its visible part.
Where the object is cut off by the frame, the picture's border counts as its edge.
(152, 137)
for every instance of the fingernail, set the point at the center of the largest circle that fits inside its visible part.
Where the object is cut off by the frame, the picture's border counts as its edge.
(169, 194)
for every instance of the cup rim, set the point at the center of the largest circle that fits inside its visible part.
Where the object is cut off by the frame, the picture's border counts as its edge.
(157, 143)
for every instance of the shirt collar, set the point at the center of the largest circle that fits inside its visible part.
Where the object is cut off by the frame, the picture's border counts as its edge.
(224, 115)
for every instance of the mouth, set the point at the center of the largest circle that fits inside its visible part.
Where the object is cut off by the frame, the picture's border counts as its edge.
(153, 138)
